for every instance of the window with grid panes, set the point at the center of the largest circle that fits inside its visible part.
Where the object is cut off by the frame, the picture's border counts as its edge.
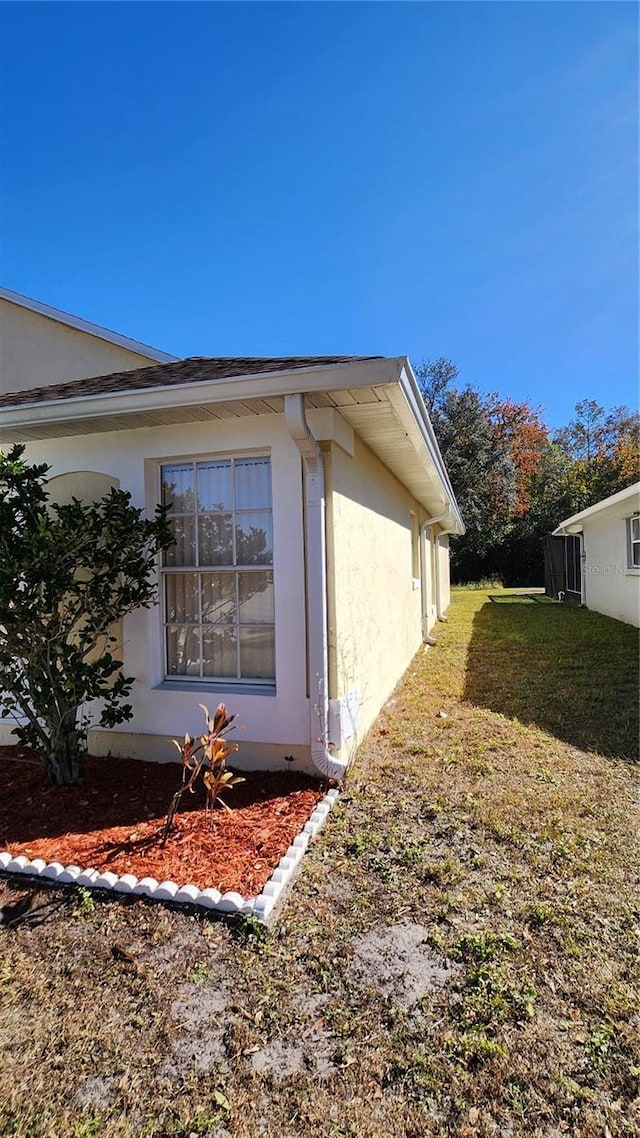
(633, 542)
(218, 577)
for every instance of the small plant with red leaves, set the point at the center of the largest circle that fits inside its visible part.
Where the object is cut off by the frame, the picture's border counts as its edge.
(206, 758)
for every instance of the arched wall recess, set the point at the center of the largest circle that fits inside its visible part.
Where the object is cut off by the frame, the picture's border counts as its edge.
(87, 485)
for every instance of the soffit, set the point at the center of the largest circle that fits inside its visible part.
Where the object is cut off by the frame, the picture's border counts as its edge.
(386, 435)
(374, 413)
(166, 416)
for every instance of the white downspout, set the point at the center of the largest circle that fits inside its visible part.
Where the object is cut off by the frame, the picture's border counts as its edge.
(316, 587)
(425, 580)
(447, 529)
(442, 533)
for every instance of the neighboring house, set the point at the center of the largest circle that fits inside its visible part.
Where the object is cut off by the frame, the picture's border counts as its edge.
(594, 557)
(311, 509)
(41, 345)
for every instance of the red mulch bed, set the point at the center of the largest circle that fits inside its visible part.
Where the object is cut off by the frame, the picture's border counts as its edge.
(113, 818)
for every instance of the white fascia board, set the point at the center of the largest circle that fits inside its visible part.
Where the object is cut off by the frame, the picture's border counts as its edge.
(87, 326)
(618, 499)
(410, 409)
(263, 385)
(573, 530)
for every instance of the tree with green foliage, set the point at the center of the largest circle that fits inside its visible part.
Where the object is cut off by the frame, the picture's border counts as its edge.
(604, 449)
(584, 437)
(513, 482)
(519, 559)
(68, 573)
(435, 378)
(478, 460)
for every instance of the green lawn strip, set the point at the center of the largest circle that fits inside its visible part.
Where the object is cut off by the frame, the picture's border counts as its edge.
(492, 809)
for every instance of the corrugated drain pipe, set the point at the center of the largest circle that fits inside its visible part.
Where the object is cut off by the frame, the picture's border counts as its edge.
(316, 587)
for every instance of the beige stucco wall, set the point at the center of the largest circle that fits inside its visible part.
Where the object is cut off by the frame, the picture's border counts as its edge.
(609, 586)
(273, 726)
(86, 485)
(375, 603)
(36, 350)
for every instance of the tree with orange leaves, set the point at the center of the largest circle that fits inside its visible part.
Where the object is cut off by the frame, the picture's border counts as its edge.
(513, 482)
(521, 429)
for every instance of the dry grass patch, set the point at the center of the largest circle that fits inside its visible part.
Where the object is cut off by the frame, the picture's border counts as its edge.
(460, 956)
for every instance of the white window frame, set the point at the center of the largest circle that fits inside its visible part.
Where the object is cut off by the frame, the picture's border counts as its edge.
(237, 683)
(633, 542)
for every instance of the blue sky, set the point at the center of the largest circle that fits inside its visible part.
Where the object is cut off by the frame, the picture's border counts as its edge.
(430, 179)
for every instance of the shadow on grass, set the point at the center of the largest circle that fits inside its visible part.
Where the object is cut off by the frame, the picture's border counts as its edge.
(571, 672)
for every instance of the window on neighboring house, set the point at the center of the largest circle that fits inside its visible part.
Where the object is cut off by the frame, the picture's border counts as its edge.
(633, 542)
(218, 577)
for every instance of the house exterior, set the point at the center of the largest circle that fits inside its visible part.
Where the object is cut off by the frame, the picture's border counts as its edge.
(40, 345)
(312, 513)
(599, 549)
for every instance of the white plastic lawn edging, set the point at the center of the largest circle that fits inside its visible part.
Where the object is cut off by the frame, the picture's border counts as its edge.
(261, 907)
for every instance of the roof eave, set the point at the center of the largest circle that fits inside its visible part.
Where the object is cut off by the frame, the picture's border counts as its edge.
(258, 385)
(616, 499)
(391, 377)
(453, 523)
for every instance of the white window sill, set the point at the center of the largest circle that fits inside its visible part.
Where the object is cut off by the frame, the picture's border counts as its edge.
(220, 687)
(632, 571)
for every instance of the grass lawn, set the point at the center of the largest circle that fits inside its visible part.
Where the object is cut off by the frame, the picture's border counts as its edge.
(459, 956)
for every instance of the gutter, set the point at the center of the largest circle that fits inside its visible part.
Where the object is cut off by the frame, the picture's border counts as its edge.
(629, 493)
(451, 515)
(566, 530)
(316, 587)
(411, 391)
(260, 385)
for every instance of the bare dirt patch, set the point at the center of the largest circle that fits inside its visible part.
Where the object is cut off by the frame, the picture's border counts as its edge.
(199, 1013)
(278, 1061)
(96, 1093)
(397, 962)
(113, 819)
(313, 1050)
(515, 847)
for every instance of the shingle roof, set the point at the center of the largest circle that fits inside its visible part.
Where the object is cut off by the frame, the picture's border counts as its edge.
(170, 374)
